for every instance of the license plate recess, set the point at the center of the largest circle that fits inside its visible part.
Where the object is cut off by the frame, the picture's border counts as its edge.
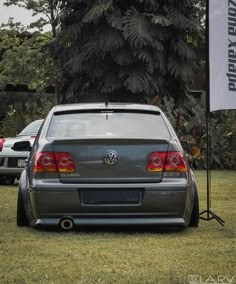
(111, 196)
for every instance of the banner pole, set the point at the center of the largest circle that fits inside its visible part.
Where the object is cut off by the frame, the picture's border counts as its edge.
(209, 214)
(208, 110)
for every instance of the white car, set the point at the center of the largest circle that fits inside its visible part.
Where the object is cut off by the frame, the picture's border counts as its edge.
(13, 162)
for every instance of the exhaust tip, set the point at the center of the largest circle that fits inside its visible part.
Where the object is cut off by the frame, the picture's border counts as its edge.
(66, 224)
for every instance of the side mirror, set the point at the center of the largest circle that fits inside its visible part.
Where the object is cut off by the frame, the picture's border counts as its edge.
(22, 146)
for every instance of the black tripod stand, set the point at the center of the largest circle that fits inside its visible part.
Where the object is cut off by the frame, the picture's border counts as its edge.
(209, 215)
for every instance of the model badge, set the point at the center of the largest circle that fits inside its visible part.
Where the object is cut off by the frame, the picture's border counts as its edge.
(111, 158)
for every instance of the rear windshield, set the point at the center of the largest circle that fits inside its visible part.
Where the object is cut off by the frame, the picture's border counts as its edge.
(107, 125)
(32, 128)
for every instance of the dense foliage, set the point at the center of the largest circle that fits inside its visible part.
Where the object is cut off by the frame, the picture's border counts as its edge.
(134, 50)
(25, 58)
(190, 124)
(45, 17)
(20, 113)
(25, 61)
(118, 49)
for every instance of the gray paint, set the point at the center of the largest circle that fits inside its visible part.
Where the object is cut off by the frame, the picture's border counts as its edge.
(152, 198)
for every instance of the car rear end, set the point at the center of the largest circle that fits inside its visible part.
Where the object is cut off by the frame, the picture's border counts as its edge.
(115, 165)
(13, 162)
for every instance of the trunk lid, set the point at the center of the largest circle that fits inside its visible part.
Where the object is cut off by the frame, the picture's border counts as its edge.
(110, 160)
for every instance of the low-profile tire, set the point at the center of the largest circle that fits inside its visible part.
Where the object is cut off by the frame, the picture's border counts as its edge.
(21, 218)
(194, 220)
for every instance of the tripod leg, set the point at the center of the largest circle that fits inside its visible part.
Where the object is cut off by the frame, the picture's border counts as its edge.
(221, 221)
(210, 216)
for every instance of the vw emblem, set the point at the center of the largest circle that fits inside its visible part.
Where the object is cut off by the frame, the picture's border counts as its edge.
(111, 158)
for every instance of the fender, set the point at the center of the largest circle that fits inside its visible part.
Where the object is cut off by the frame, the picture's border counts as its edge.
(27, 204)
(193, 188)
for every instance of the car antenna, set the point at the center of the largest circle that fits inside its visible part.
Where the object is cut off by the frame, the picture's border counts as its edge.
(106, 100)
(106, 104)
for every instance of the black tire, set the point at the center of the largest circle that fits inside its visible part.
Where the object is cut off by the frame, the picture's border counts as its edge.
(21, 218)
(194, 220)
(1, 180)
(7, 180)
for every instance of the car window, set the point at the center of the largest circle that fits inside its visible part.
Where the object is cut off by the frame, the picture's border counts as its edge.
(107, 125)
(31, 128)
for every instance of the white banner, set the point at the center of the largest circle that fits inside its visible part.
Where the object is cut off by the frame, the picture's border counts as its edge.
(222, 54)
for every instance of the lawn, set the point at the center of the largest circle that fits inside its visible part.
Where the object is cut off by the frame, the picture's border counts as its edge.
(123, 256)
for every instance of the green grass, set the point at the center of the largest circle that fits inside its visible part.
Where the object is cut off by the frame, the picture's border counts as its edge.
(119, 256)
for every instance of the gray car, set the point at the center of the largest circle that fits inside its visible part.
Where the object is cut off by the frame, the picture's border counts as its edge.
(97, 164)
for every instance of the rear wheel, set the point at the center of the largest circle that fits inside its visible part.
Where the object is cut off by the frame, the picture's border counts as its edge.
(194, 221)
(21, 219)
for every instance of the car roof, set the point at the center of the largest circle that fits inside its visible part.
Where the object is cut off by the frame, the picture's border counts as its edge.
(88, 106)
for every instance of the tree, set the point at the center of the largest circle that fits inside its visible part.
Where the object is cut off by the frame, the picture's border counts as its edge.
(24, 60)
(119, 49)
(48, 10)
(25, 57)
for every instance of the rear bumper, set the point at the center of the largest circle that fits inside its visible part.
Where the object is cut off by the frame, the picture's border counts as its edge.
(144, 220)
(166, 203)
(6, 170)
(10, 171)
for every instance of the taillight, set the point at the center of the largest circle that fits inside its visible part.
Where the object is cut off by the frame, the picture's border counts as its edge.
(166, 161)
(45, 162)
(175, 162)
(64, 162)
(54, 162)
(156, 162)
(1, 144)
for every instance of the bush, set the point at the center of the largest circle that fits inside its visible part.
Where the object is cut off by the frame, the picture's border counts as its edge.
(8, 123)
(189, 121)
(22, 113)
